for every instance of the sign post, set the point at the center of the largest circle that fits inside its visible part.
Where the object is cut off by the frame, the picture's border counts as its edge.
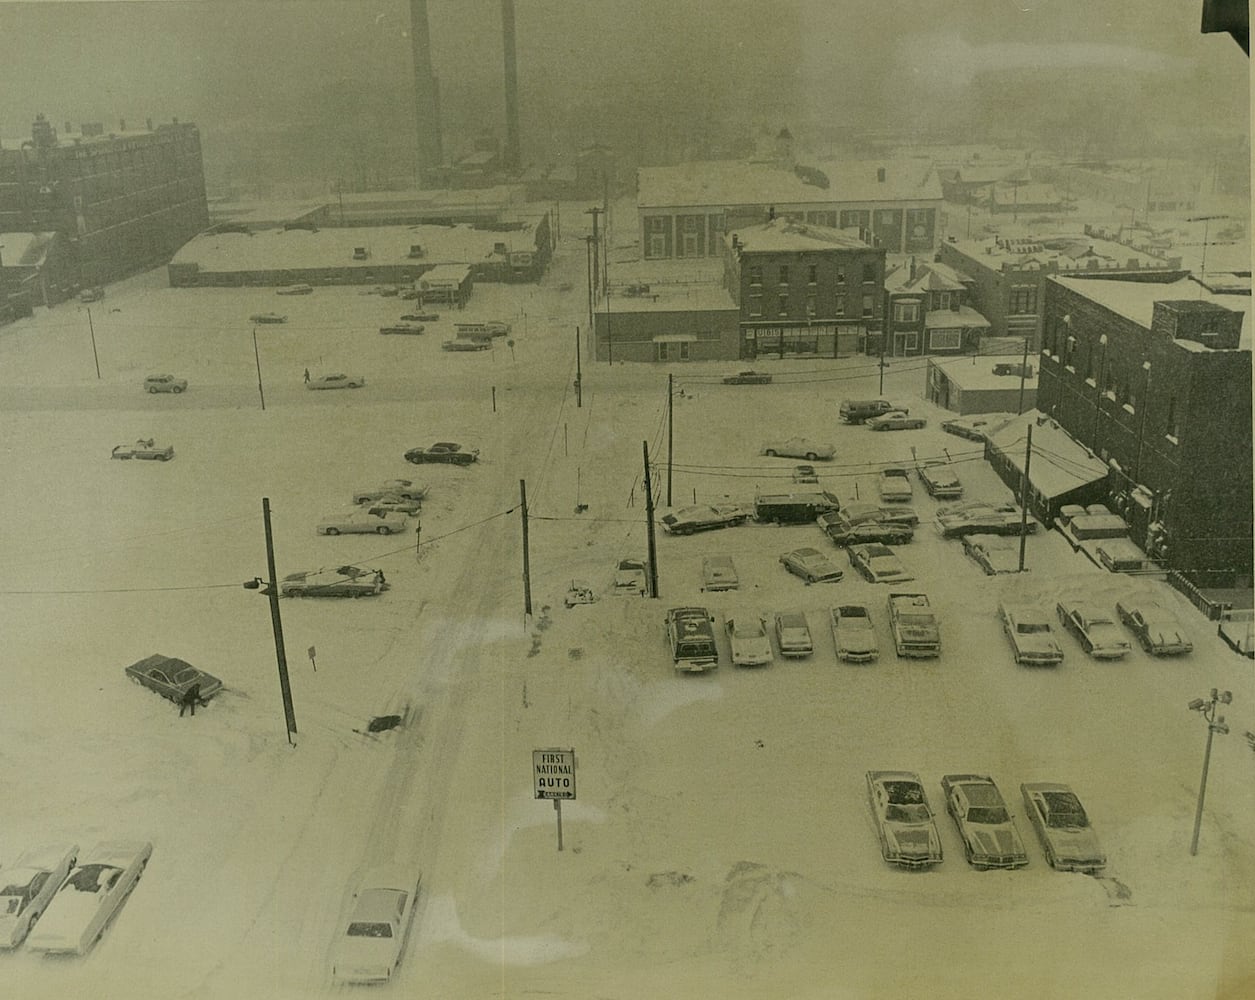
(553, 772)
(312, 654)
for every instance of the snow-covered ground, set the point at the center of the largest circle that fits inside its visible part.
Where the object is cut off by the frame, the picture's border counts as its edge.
(721, 844)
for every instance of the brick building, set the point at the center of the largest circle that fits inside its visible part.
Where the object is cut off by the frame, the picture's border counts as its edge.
(927, 312)
(1155, 379)
(804, 289)
(124, 201)
(678, 322)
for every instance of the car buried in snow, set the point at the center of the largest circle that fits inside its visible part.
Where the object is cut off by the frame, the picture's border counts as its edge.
(90, 897)
(805, 474)
(406, 489)
(896, 420)
(853, 634)
(859, 512)
(974, 428)
(688, 520)
(403, 329)
(1029, 632)
(443, 453)
(993, 553)
(336, 380)
(990, 839)
(392, 505)
(747, 378)
(982, 517)
(1063, 827)
(338, 581)
(878, 563)
(164, 383)
(1156, 628)
(267, 317)
(629, 578)
(904, 821)
(466, 344)
(812, 566)
(894, 485)
(798, 447)
(359, 522)
(28, 885)
(369, 948)
(1098, 635)
(144, 450)
(747, 637)
(939, 479)
(172, 678)
(295, 290)
(793, 635)
(865, 532)
(420, 317)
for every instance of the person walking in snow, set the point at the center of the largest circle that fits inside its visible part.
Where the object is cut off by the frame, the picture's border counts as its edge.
(307, 376)
(191, 698)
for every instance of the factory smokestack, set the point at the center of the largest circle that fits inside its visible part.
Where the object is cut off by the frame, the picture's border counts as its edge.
(512, 155)
(426, 91)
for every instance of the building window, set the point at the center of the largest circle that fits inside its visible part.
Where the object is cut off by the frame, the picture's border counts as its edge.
(784, 274)
(782, 304)
(812, 274)
(756, 305)
(838, 306)
(810, 305)
(756, 275)
(1023, 301)
(1172, 418)
(945, 300)
(869, 273)
(869, 305)
(657, 229)
(841, 276)
(945, 340)
(906, 312)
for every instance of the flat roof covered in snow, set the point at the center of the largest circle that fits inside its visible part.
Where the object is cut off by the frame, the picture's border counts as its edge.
(1059, 464)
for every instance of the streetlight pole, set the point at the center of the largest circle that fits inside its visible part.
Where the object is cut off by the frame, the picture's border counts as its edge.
(1215, 724)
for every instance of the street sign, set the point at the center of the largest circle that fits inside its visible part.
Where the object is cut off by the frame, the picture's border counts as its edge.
(553, 771)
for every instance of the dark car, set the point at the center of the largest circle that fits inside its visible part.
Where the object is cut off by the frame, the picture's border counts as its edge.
(688, 520)
(420, 317)
(411, 329)
(747, 378)
(884, 532)
(172, 678)
(448, 452)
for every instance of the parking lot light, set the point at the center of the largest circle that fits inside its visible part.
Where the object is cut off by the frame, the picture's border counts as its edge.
(1215, 724)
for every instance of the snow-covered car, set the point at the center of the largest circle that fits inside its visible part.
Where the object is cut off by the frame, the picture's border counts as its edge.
(894, 485)
(853, 634)
(172, 678)
(370, 946)
(404, 329)
(747, 637)
(993, 553)
(90, 897)
(974, 428)
(359, 522)
(579, 592)
(857, 512)
(446, 452)
(990, 839)
(91, 294)
(466, 344)
(629, 578)
(337, 581)
(982, 517)
(164, 383)
(688, 520)
(904, 822)
(939, 479)
(896, 420)
(267, 317)
(145, 449)
(295, 290)
(392, 505)
(793, 635)
(805, 474)
(747, 378)
(28, 885)
(719, 573)
(406, 489)
(1156, 628)
(420, 317)
(1032, 639)
(1097, 633)
(336, 380)
(1066, 836)
(878, 564)
(884, 532)
(799, 447)
(812, 566)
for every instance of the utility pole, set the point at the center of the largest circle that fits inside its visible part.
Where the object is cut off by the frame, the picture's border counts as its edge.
(289, 713)
(91, 329)
(1028, 457)
(670, 429)
(257, 358)
(579, 378)
(609, 334)
(594, 212)
(649, 526)
(605, 234)
(588, 264)
(527, 572)
(1023, 375)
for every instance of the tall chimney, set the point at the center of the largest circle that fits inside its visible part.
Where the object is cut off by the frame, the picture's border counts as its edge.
(426, 92)
(512, 155)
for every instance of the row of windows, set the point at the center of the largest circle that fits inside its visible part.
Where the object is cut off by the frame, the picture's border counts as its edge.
(812, 305)
(909, 312)
(1023, 301)
(784, 272)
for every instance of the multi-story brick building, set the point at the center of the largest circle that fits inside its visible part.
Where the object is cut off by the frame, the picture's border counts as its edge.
(1155, 379)
(927, 311)
(804, 289)
(1007, 276)
(684, 211)
(124, 201)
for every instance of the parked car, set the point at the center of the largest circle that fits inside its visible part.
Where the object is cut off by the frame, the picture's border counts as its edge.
(896, 420)
(857, 513)
(805, 474)
(853, 634)
(164, 383)
(939, 479)
(990, 839)
(392, 505)
(579, 592)
(993, 553)
(982, 517)
(747, 636)
(719, 573)
(145, 449)
(747, 378)
(446, 452)
(90, 897)
(466, 344)
(420, 317)
(1097, 633)
(812, 566)
(296, 290)
(894, 485)
(855, 411)
(358, 522)
(793, 635)
(336, 380)
(630, 578)
(172, 678)
(28, 885)
(1062, 826)
(404, 329)
(884, 532)
(799, 447)
(1156, 628)
(91, 294)
(1032, 639)
(406, 489)
(688, 520)
(974, 428)
(369, 948)
(878, 563)
(339, 581)
(267, 317)
(904, 821)
(691, 636)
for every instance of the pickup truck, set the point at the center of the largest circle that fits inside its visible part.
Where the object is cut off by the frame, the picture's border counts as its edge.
(913, 625)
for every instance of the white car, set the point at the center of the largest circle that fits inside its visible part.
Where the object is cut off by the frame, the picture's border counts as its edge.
(27, 885)
(853, 633)
(337, 380)
(369, 948)
(361, 522)
(894, 485)
(90, 897)
(747, 635)
(1032, 638)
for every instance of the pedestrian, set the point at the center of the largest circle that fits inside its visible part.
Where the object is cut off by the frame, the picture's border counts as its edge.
(306, 376)
(191, 698)
(379, 577)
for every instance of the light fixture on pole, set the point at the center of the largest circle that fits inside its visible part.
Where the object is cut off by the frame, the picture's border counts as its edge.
(1215, 724)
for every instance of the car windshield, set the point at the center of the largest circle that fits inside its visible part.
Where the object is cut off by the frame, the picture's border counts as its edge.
(1063, 809)
(917, 620)
(373, 929)
(987, 814)
(92, 878)
(908, 814)
(1029, 628)
(748, 631)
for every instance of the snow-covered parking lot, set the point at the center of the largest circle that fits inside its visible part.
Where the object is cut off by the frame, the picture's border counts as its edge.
(721, 843)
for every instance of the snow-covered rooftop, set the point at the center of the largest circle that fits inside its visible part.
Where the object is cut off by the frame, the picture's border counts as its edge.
(1063, 252)
(784, 235)
(1059, 464)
